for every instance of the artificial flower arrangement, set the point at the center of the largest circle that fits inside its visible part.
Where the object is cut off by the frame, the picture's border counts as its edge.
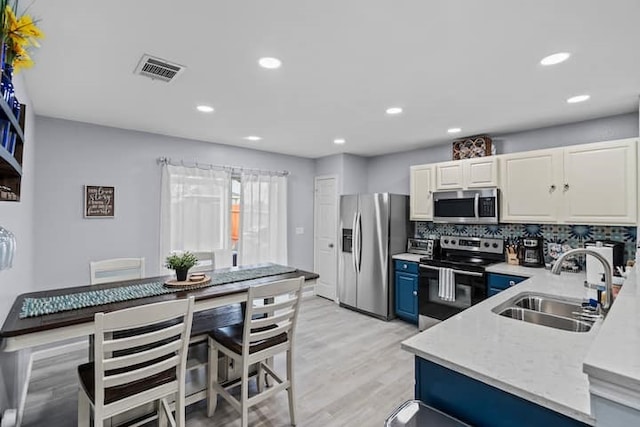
(19, 34)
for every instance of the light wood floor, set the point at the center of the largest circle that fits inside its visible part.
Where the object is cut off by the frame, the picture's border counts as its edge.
(350, 371)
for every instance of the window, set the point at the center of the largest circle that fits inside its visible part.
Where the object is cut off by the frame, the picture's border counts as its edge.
(241, 214)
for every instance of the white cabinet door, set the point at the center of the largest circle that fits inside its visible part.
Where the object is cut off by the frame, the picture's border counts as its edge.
(600, 183)
(481, 172)
(421, 193)
(449, 175)
(531, 186)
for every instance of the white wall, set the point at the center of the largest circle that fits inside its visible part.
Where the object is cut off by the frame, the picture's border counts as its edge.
(351, 170)
(391, 172)
(18, 218)
(72, 154)
(354, 173)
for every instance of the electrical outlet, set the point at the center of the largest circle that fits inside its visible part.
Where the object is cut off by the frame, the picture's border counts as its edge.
(299, 230)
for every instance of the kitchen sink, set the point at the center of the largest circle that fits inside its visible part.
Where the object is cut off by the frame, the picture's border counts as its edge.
(548, 305)
(546, 310)
(544, 319)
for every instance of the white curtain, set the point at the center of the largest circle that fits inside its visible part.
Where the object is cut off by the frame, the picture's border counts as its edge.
(195, 212)
(263, 213)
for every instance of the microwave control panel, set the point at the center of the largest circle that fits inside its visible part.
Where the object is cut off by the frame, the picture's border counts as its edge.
(487, 207)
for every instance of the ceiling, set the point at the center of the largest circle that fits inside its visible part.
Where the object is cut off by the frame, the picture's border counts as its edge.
(448, 63)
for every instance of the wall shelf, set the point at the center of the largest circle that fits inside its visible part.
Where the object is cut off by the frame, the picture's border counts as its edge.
(11, 164)
(8, 114)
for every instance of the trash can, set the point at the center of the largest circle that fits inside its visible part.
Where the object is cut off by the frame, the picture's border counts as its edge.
(414, 413)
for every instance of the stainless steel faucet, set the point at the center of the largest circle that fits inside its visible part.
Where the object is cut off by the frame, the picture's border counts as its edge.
(608, 274)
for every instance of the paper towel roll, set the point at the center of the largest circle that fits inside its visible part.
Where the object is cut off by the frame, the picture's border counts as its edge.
(594, 267)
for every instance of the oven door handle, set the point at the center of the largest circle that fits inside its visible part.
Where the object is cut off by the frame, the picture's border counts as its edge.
(476, 204)
(465, 273)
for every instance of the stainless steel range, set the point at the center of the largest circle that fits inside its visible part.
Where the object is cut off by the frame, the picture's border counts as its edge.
(456, 280)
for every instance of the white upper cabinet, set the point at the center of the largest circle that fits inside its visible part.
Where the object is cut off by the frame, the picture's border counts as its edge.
(529, 186)
(449, 175)
(468, 173)
(581, 184)
(421, 192)
(600, 183)
(481, 172)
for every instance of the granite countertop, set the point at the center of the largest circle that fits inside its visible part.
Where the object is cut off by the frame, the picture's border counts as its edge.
(517, 270)
(615, 354)
(408, 257)
(540, 364)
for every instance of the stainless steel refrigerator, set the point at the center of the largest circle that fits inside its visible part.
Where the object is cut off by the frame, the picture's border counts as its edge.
(373, 228)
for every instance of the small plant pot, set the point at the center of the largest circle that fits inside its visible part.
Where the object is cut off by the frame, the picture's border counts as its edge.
(181, 274)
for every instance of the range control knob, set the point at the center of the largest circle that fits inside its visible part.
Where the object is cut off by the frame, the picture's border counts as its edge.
(446, 241)
(453, 242)
(486, 244)
(495, 246)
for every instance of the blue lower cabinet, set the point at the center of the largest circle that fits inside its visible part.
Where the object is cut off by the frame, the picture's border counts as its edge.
(406, 296)
(499, 282)
(479, 404)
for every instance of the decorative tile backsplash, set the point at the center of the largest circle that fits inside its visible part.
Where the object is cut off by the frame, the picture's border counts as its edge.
(574, 235)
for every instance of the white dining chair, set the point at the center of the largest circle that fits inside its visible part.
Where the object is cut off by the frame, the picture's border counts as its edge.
(139, 357)
(206, 261)
(112, 270)
(268, 329)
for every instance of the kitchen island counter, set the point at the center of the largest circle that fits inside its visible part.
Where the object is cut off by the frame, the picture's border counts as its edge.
(539, 364)
(408, 257)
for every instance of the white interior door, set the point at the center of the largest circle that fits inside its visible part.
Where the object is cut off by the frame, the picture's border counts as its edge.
(325, 235)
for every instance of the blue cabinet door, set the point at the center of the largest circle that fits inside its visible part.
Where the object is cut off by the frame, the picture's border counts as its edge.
(499, 282)
(407, 296)
(480, 404)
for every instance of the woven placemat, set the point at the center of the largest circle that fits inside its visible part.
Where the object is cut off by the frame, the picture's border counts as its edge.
(33, 307)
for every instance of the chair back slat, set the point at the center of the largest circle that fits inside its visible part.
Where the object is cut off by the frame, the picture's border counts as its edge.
(148, 353)
(276, 288)
(272, 307)
(141, 373)
(263, 335)
(276, 306)
(268, 321)
(206, 261)
(143, 316)
(146, 356)
(112, 270)
(142, 339)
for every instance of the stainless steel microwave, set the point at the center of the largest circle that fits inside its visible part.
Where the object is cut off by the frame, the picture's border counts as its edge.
(475, 206)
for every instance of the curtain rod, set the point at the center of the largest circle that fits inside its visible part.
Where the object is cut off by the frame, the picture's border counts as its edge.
(232, 169)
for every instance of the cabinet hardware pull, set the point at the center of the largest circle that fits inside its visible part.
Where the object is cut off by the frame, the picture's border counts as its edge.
(512, 283)
(415, 293)
(566, 187)
(552, 187)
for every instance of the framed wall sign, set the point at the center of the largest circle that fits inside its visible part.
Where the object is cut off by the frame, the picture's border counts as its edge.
(99, 201)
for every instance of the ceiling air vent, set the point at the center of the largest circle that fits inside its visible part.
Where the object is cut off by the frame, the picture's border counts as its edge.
(158, 69)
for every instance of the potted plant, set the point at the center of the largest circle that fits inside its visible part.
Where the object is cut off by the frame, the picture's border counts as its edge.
(181, 263)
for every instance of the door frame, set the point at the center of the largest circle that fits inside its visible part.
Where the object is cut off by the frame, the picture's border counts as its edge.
(337, 245)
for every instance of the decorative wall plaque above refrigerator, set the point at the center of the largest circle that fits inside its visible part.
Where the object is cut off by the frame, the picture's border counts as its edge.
(474, 146)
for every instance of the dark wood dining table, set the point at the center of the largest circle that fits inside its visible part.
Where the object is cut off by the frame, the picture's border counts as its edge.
(215, 306)
(23, 333)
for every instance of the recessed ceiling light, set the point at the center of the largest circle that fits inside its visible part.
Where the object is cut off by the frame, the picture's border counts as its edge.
(556, 58)
(270, 63)
(394, 110)
(339, 141)
(205, 108)
(578, 98)
(454, 130)
(252, 138)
